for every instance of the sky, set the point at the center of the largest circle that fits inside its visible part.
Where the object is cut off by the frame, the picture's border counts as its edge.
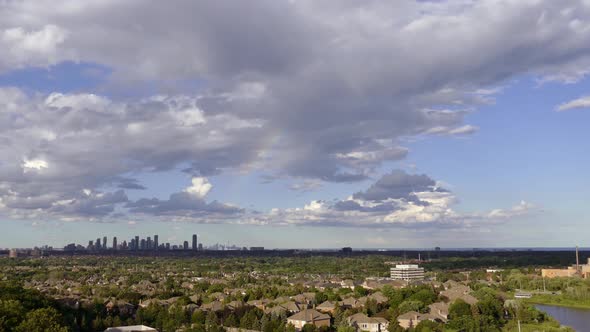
(296, 123)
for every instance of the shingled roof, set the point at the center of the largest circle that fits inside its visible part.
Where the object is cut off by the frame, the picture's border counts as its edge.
(309, 315)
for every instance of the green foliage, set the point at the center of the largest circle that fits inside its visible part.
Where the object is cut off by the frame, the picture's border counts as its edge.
(42, 320)
(309, 328)
(459, 309)
(411, 305)
(429, 326)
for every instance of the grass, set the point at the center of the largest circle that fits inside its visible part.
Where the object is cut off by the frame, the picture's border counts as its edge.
(558, 300)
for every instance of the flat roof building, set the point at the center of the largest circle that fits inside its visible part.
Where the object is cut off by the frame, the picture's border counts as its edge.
(407, 272)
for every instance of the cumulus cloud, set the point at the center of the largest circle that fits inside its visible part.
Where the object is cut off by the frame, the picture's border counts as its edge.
(396, 200)
(333, 86)
(54, 147)
(35, 47)
(328, 94)
(189, 204)
(200, 187)
(582, 102)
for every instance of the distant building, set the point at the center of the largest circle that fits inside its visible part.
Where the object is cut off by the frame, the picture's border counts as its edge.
(194, 247)
(346, 250)
(134, 328)
(407, 272)
(156, 244)
(13, 253)
(200, 246)
(256, 248)
(556, 273)
(114, 243)
(104, 242)
(185, 245)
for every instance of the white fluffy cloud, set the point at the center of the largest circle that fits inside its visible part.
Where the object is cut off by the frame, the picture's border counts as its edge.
(582, 102)
(200, 187)
(38, 47)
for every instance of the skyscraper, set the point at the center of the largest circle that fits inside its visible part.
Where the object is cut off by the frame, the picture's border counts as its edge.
(156, 242)
(194, 241)
(97, 246)
(114, 243)
(148, 245)
(185, 246)
(104, 242)
(136, 242)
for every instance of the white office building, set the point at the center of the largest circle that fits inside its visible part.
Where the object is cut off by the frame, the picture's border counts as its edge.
(407, 272)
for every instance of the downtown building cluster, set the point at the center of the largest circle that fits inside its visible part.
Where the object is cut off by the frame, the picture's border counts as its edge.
(140, 244)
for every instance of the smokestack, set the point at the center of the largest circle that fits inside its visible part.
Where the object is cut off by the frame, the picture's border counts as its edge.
(577, 260)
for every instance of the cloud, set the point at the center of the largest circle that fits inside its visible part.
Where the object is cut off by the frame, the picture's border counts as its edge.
(583, 102)
(396, 200)
(55, 146)
(319, 112)
(200, 187)
(34, 164)
(329, 94)
(397, 184)
(305, 186)
(189, 204)
(35, 47)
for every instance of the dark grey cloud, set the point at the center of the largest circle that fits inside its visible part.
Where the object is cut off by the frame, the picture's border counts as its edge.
(132, 184)
(93, 205)
(182, 204)
(398, 184)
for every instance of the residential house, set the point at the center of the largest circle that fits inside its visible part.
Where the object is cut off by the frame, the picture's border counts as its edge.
(362, 322)
(326, 306)
(212, 306)
(440, 310)
(458, 291)
(309, 316)
(350, 303)
(412, 318)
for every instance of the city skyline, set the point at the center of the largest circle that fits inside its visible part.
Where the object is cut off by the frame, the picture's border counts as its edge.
(412, 124)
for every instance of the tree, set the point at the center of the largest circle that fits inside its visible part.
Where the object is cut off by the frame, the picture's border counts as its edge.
(459, 308)
(394, 327)
(42, 320)
(411, 305)
(309, 328)
(429, 326)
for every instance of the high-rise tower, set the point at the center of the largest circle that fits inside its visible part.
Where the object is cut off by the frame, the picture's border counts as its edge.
(194, 241)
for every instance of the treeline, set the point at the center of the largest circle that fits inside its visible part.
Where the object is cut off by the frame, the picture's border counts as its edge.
(25, 310)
